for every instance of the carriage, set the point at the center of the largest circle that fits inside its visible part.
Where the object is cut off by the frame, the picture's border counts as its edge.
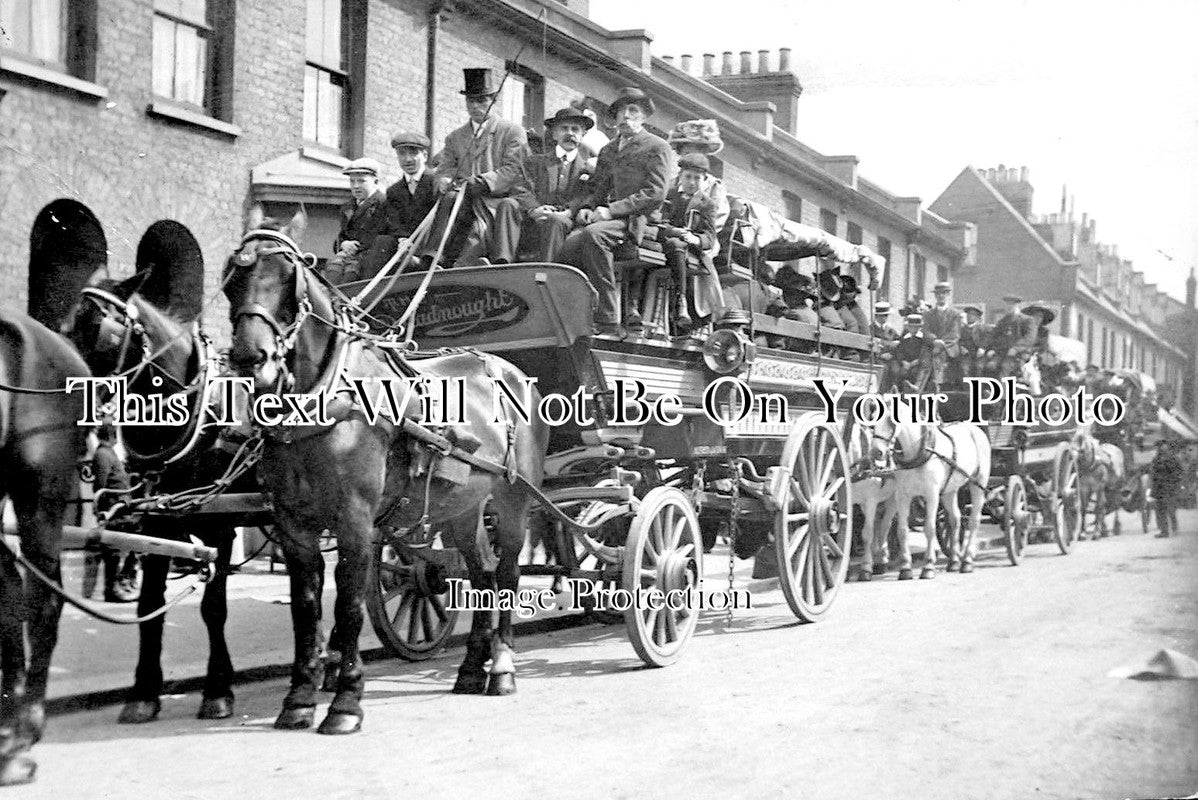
(628, 502)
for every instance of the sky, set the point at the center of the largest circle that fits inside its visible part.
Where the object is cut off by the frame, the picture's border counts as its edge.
(1099, 96)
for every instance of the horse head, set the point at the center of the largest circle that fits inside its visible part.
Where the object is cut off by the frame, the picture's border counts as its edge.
(272, 295)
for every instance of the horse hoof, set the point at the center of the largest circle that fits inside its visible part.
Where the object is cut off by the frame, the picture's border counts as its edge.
(471, 683)
(879, 569)
(927, 573)
(338, 724)
(295, 719)
(137, 712)
(501, 684)
(966, 568)
(864, 576)
(905, 574)
(17, 770)
(952, 567)
(215, 708)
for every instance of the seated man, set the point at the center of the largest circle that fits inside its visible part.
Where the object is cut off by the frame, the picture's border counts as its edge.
(910, 365)
(975, 338)
(629, 183)
(485, 159)
(362, 219)
(1003, 356)
(830, 286)
(412, 197)
(942, 322)
(689, 228)
(850, 308)
(758, 296)
(551, 186)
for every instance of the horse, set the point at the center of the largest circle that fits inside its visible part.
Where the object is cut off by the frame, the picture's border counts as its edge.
(1100, 470)
(934, 461)
(119, 331)
(40, 444)
(873, 489)
(362, 472)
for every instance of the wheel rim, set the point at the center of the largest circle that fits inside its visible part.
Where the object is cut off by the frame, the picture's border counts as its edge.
(663, 552)
(1015, 519)
(813, 530)
(406, 602)
(1069, 502)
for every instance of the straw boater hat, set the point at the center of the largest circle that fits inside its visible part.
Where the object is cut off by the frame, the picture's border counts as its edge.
(882, 308)
(363, 166)
(915, 319)
(943, 286)
(703, 133)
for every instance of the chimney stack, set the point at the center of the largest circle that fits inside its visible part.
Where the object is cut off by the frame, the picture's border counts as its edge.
(685, 66)
(763, 61)
(727, 67)
(1191, 288)
(752, 81)
(746, 62)
(1023, 175)
(709, 63)
(784, 59)
(668, 59)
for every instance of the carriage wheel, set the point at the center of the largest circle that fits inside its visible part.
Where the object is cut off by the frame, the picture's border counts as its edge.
(1067, 522)
(813, 529)
(663, 552)
(1016, 519)
(406, 598)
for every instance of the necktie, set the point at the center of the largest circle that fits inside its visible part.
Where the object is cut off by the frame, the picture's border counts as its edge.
(563, 172)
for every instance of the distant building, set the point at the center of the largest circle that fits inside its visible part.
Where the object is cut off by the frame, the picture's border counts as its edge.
(1058, 261)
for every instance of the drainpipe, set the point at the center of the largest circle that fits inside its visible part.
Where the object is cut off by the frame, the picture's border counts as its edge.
(430, 86)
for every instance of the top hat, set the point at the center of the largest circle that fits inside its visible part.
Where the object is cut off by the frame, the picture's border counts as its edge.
(410, 139)
(974, 309)
(631, 94)
(478, 82)
(830, 285)
(943, 286)
(363, 166)
(695, 161)
(570, 115)
(1046, 313)
(703, 134)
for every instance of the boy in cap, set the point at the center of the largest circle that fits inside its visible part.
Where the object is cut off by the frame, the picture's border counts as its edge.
(629, 184)
(485, 158)
(974, 339)
(412, 197)
(362, 219)
(552, 185)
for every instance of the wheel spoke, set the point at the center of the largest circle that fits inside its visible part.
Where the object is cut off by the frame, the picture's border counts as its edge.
(797, 517)
(648, 577)
(831, 544)
(676, 533)
(807, 573)
(824, 566)
(829, 465)
(404, 605)
(659, 627)
(654, 538)
(426, 620)
(391, 594)
(650, 620)
(413, 619)
(796, 489)
(792, 546)
(833, 489)
(671, 626)
(438, 609)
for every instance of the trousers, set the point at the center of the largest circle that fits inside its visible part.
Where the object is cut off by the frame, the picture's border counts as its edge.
(590, 249)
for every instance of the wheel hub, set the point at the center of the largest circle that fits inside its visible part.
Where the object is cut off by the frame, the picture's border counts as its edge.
(676, 571)
(429, 578)
(825, 516)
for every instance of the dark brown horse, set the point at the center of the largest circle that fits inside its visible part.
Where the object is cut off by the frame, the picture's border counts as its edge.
(354, 475)
(40, 444)
(121, 332)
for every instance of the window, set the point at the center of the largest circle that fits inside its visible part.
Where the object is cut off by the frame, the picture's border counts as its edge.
(522, 100)
(325, 75)
(58, 34)
(854, 233)
(827, 220)
(884, 252)
(192, 48)
(941, 273)
(794, 206)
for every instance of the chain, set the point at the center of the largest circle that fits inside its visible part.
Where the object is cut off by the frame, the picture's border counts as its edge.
(733, 527)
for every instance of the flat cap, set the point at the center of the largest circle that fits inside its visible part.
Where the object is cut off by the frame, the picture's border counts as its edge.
(975, 309)
(410, 139)
(695, 161)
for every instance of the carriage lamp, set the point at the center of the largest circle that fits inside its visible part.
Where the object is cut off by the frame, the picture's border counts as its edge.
(727, 351)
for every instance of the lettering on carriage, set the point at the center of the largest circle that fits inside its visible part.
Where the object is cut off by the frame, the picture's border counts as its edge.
(455, 310)
(110, 398)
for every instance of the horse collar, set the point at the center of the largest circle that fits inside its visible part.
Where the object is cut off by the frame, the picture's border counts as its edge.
(922, 455)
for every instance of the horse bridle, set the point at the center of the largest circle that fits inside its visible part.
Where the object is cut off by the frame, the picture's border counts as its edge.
(119, 323)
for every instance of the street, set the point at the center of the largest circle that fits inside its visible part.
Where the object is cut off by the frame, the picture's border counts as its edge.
(986, 685)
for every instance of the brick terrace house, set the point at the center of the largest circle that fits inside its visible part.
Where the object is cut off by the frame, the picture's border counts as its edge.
(1058, 261)
(116, 115)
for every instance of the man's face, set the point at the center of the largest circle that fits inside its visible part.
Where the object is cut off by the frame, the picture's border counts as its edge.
(362, 185)
(567, 135)
(477, 106)
(630, 118)
(689, 180)
(972, 317)
(411, 159)
(942, 299)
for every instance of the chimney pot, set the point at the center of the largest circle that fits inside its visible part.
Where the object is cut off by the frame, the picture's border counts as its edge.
(686, 63)
(1013, 175)
(1023, 174)
(727, 68)
(784, 59)
(746, 62)
(709, 63)
(763, 61)
(668, 59)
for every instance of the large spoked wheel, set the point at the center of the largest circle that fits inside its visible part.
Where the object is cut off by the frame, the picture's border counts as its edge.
(813, 526)
(1016, 519)
(406, 598)
(664, 552)
(1067, 521)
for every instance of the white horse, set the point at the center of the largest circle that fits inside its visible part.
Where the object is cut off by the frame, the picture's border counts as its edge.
(934, 461)
(873, 489)
(1100, 471)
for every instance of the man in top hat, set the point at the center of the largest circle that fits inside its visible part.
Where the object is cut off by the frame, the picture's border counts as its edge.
(629, 184)
(830, 286)
(910, 366)
(485, 157)
(975, 338)
(412, 197)
(942, 323)
(551, 186)
(1165, 473)
(362, 219)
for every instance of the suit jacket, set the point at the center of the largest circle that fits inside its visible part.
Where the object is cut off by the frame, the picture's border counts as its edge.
(944, 324)
(974, 337)
(1011, 330)
(697, 214)
(631, 182)
(538, 185)
(404, 210)
(361, 223)
(497, 154)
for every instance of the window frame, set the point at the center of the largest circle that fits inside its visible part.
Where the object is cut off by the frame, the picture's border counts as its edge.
(215, 112)
(826, 216)
(347, 76)
(77, 68)
(534, 95)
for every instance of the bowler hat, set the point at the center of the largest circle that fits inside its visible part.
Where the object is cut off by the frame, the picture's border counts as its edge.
(570, 115)
(829, 285)
(478, 82)
(631, 94)
(974, 309)
(1047, 314)
(943, 286)
(363, 166)
(700, 133)
(410, 139)
(695, 161)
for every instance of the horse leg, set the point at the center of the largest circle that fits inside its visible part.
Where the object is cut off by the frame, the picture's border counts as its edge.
(472, 678)
(305, 568)
(882, 541)
(952, 515)
(143, 704)
(512, 509)
(1100, 512)
(869, 509)
(13, 751)
(904, 514)
(931, 503)
(977, 496)
(354, 552)
(217, 702)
